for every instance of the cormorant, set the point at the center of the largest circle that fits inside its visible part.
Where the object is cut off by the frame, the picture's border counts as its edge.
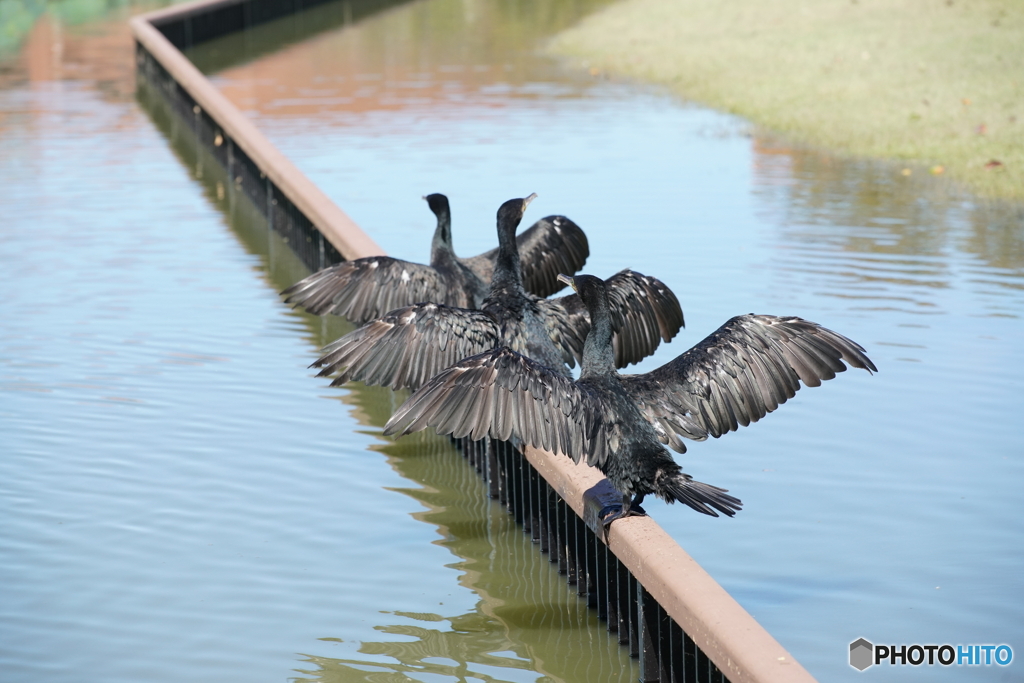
(367, 288)
(737, 375)
(408, 346)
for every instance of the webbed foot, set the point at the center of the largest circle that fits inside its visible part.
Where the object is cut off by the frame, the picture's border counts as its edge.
(628, 508)
(634, 506)
(609, 514)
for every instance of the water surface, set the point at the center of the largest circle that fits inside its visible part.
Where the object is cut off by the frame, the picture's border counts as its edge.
(882, 507)
(181, 500)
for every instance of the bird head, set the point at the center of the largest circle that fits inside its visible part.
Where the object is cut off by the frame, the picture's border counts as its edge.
(512, 211)
(438, 203)
(582, 284)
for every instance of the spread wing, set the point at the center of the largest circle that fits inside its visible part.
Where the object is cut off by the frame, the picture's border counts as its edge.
(501, 394)
(408, 346)
(737, 375)
(550, 246)
(644, 312)
(367, 288)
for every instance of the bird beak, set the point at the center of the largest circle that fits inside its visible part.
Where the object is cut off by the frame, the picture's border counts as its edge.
(567, 280)
(527, 200)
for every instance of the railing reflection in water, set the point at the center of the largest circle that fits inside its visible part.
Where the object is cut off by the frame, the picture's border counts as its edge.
(666, 653)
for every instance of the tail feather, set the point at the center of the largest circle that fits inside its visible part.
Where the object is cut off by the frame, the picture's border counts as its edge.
(703, 498)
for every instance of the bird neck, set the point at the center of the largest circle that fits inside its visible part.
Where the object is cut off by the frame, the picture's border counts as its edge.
(508, 274)
(598, 351)
(441, 245)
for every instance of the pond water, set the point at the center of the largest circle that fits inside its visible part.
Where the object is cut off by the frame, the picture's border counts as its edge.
(181, 500)
(184, 501)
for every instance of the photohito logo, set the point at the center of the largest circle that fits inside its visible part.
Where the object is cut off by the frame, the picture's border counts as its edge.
(863, 654)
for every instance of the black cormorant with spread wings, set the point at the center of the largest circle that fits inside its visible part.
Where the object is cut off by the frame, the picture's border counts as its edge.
(367, 288)
(737, 375)
(408, 346)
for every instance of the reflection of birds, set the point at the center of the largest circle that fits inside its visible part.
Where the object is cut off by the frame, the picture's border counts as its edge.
(367, 288)
(743, 371)
(410, 345)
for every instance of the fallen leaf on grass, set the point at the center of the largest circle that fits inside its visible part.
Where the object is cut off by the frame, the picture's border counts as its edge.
(993, 163)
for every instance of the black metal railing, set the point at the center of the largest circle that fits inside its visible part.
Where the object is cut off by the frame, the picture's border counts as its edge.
(633, 617)
(188, 29)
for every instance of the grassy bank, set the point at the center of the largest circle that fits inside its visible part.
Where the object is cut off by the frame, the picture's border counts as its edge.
(935, 84)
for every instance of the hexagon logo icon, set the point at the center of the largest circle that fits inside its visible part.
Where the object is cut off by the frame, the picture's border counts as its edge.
(861, 654)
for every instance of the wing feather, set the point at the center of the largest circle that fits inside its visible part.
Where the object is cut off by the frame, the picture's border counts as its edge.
(738, 374)
(550, 246)
(367, 288)
(408, 346)
(502, 394)
(644, 313)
